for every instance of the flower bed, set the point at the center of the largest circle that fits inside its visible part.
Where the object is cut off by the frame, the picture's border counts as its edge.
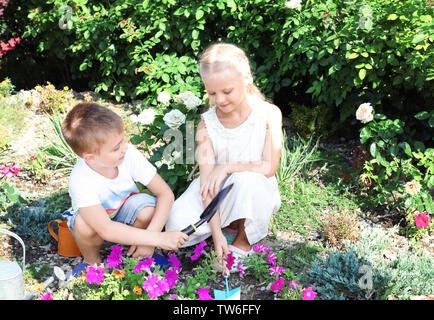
(125, 278)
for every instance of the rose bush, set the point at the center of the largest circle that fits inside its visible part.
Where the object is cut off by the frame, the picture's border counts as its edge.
(166, 133)
(401, 170)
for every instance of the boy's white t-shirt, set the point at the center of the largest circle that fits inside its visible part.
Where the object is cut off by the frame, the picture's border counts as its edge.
(88, 188)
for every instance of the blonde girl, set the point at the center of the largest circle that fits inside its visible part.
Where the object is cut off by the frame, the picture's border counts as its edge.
(239, 142)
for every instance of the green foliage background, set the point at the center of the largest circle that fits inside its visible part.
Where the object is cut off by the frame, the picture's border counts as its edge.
(337, 54)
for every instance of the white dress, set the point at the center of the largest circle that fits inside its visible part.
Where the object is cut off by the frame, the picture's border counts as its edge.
(253, 197)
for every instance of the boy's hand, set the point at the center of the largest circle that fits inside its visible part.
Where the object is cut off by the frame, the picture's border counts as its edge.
(172, 240)
(141, 251)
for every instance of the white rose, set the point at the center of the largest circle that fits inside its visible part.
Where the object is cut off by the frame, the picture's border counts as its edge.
(364, 113)
(147, 116)
(134, 118)
(163, 97)
(293, 4)
(192, 102)
(189, 99)
(174, 118)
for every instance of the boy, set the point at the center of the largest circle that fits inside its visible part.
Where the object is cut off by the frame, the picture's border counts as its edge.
(102, 188)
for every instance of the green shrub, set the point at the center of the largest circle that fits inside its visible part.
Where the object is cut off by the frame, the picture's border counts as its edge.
(332, 53)
(340, 276)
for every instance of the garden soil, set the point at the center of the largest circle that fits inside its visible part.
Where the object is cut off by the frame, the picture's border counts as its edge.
(40, 255)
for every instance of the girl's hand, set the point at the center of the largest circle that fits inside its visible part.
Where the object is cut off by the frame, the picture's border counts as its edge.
(220, 244)
(212, 184)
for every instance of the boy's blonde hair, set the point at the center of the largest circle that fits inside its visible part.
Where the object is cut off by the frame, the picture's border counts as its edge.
(87, 126)
(221, 56)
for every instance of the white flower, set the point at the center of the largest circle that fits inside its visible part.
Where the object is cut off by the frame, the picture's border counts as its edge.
(174, 118)
(412, 187)
(189, 99)
(163, 97)
(364, 113)
(146, 117)
(293, 4)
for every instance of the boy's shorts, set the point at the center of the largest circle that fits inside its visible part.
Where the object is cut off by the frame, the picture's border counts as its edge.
(127, 213)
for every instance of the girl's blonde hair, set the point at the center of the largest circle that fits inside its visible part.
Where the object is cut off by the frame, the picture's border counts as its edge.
(220, 56)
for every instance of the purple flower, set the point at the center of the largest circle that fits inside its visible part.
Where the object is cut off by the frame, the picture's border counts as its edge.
(277, 285)
(95, 274)
(271, 258)
(144, 264)
(240, 267)
(114, 259)
(276, 270)
(198, 250)
(171, 277)
(260, 247)
(204, 294)
(174, 262)
(308, 294)
(47, 296)
(230, 261)
(155, 286)
(293, 284)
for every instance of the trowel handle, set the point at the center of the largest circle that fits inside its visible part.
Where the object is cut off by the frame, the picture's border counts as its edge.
(189, 230)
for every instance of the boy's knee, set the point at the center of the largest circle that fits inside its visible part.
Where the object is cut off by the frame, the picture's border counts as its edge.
(144, 217)
(83, 231)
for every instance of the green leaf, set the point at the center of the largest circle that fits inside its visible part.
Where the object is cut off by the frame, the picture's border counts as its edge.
(353, 55)
(422, 115)
(199, 14)
(373, 149)
(83, 66)
(165, 78)
(406, 147)
(362, 74)
(392, 17)
(418, 38)
(195, 34)
(365, 134)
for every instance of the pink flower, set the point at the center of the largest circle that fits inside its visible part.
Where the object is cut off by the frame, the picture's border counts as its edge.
(10, 170)
(173, 297)
(271, 258)
(260, 247)
(230, 261)
(293, 284)
(198, 251)
(204, 294)
(95, 274)
(174, 262)
(422, 220)
(308, 294)
(171, 277)
(276, 270)
(277, 285)
(47, 296)
(240, 268)
(114, 259)
(144, 264)
(155, 286)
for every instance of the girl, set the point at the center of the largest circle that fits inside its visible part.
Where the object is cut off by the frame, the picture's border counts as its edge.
(239, 142)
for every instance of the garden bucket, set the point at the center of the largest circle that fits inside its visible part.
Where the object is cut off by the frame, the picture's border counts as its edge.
(11, 275)
(66, 245)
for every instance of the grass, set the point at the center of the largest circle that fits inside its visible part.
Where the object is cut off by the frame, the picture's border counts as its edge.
(305, 199)
(12, 115)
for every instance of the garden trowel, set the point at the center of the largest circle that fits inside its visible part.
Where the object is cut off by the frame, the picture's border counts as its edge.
(209, 211)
